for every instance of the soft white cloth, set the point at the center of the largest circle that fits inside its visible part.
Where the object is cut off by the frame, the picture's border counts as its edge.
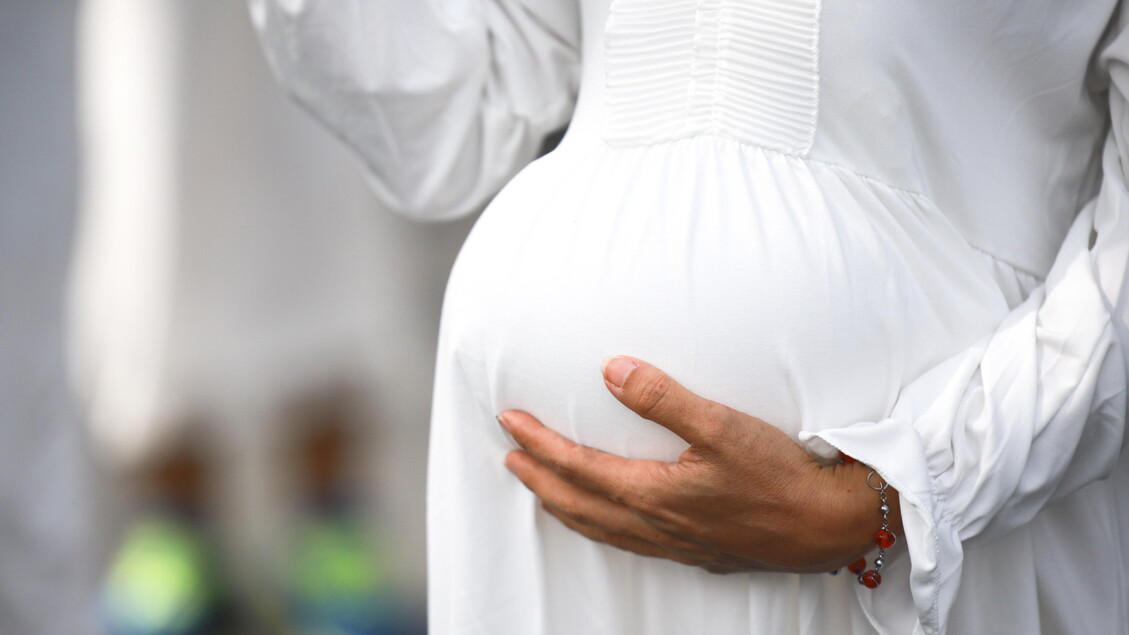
(425, 91)
(896, 229)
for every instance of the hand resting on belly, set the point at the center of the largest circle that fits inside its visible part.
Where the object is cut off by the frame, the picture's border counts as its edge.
(743, 497)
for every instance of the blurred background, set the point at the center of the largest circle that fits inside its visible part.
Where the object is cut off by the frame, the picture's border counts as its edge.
(216, 352)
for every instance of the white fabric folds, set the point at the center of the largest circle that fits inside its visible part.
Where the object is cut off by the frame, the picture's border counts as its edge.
(978, 446)
(839, 217)
(444, 100)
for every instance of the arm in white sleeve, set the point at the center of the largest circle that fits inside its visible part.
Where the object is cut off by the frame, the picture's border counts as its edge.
(980, 444)
(443, 100)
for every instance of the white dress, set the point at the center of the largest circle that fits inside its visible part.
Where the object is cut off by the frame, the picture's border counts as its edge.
(896, 229)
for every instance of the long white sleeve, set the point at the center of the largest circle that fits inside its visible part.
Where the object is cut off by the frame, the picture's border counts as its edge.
(980, 444)
(443, 100)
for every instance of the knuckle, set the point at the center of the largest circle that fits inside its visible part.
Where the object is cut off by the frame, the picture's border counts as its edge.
(587, 531)
(667, 522)
(642, 501)
(570, 506)
(568, 465)
(616, 493)
(581, 517)
(652, 395)
(649, 494)
(714, 421)
(664, 520)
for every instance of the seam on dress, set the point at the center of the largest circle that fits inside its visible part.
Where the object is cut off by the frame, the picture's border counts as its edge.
(938, 505)
(817, 34)
(920, 198)
(1005, 261)
(947, 519)
(718, 62)
(722, 136)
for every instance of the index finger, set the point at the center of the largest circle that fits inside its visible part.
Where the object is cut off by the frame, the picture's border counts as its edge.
(615, 477)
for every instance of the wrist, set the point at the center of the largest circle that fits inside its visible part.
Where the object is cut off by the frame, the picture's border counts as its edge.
(851, 511)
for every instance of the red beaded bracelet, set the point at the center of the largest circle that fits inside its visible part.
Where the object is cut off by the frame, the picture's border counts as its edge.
(883, 538)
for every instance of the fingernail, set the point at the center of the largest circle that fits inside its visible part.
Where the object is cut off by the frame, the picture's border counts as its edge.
(502, 422)
(617, 369)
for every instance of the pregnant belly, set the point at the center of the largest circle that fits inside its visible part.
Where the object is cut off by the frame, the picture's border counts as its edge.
(799, 293)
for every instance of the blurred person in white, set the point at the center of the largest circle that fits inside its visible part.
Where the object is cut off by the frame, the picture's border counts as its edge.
(45, 580)
(893, 230)
(233, 289)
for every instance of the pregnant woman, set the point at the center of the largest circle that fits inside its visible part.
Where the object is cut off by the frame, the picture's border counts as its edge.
(893, 230)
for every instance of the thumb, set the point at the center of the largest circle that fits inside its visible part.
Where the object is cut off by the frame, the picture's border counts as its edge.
(654, 395)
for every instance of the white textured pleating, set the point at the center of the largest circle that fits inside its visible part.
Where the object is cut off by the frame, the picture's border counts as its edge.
(741, 70)
(894, 229)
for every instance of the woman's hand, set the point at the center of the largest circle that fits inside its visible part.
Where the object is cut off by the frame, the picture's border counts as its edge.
(743, 497)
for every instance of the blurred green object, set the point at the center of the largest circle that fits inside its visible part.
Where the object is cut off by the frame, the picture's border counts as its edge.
(339, 583)
(161, 581)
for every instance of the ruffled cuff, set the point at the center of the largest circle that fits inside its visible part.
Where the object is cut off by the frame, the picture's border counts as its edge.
(896, 451)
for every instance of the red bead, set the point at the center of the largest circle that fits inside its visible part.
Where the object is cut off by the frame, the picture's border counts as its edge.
(846, 459)
(871, 579)
(884, 539)
(857, 566)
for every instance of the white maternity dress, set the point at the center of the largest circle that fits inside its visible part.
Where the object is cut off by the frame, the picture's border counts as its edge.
(899, 229)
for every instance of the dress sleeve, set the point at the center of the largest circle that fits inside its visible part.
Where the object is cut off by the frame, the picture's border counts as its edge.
(443, 100)
(981, 443)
